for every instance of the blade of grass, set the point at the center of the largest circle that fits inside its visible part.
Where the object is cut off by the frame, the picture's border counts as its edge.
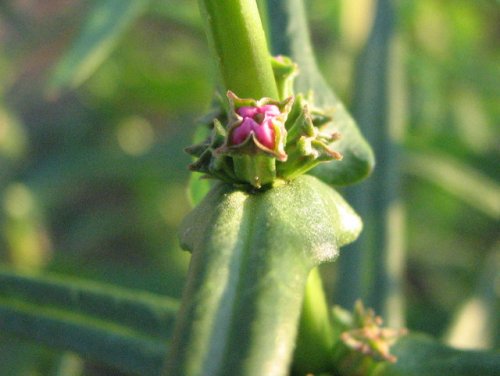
(106, 342)
(150, 314)
(104, 26)
(119, 327)
(455, 177)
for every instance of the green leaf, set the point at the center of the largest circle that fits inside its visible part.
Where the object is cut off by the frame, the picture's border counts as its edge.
(290, 36)
(119, 327)
(457, 178)
(142, 311)
(104, 26)
(252, 253)
(102, 341)
(419, 355)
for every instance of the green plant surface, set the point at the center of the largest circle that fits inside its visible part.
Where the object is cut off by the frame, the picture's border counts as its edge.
(124, 329)
(94, 339)
(420, 355)
(316, 333)
(374, 266)
(239, 44)
(289, 36)
(251, 254)
(106, 215)
(141, 311)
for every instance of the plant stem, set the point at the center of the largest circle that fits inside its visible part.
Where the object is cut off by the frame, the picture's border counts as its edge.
(316, 334)
(238, 41)
(377, 259)
(251, 256)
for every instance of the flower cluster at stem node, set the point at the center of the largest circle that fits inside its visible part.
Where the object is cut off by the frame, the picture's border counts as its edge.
(257, 142)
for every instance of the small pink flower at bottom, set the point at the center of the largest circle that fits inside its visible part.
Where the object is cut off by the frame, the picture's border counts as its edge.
(259, 121)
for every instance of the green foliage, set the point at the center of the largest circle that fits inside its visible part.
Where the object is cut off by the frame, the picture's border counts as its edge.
(358, 159)
(251, 254)
(74, 200)
(379, 249)
(121, 328)
(316, 334)
(102, 341)
(142, 311)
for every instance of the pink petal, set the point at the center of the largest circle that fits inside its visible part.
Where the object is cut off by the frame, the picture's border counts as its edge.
(261, 126)
(247, 111)
(265, 134)
(240, 134)
(269, 109)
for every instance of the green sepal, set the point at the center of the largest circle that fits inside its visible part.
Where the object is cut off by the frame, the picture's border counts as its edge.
(259, 170)
(307, 144)
(251, 255)
(284, 70)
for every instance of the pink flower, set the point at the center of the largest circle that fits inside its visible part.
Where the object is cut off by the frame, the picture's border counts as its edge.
(259, 122)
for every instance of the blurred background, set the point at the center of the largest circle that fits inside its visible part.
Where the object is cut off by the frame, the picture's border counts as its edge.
(93, 175)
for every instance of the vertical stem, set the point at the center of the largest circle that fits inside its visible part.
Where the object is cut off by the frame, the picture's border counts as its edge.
(483, 305)
(313, 351)
(238, 41)
(377, 257)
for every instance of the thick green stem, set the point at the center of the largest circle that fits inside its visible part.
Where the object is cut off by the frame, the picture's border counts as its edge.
(238, 41)
(252, 253)
(313, 352)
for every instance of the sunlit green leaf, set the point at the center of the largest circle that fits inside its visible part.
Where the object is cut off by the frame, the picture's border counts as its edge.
(290, 36)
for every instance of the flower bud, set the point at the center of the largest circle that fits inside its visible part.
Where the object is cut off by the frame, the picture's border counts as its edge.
(257, 122)
(259, 141)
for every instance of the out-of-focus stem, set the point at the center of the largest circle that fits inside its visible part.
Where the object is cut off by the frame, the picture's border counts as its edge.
(475, 324)
(377, 258)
